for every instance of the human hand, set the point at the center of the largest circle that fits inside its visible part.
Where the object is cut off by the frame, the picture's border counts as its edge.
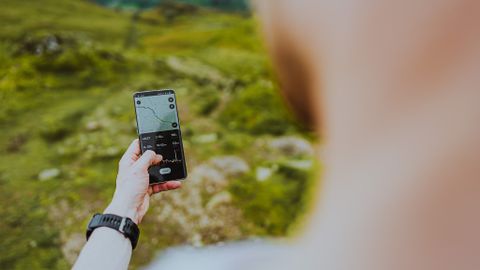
(132, 193)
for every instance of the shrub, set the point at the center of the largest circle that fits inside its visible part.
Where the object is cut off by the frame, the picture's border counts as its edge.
(257, 109)
(274, 204)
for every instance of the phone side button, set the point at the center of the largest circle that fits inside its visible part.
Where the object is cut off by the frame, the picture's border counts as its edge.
(165, 170)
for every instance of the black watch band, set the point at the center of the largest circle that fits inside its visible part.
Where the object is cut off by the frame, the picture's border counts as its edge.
(122, 224)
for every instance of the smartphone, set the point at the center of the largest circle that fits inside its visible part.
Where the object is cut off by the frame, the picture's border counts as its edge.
(158, 129)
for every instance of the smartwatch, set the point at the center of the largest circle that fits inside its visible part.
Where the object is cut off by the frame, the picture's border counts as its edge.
(124, 225)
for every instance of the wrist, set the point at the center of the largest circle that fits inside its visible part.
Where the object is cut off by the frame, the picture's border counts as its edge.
(121, 208)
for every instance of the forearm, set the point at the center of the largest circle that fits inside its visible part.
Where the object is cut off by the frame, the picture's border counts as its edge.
(106, 249)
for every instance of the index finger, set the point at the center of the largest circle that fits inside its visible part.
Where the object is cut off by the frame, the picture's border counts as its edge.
(131, 154)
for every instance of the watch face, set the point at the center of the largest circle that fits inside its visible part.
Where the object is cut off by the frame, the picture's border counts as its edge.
(93, 224)
(94, 221)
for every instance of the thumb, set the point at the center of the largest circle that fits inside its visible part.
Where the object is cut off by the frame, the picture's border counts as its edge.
(148, 159)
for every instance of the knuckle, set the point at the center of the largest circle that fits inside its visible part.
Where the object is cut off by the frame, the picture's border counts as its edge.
(150, 154)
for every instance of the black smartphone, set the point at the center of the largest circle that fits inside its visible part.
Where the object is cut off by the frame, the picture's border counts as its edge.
(158, 129)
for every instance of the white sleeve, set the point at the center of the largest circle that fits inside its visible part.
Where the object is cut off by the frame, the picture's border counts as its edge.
(234, 256)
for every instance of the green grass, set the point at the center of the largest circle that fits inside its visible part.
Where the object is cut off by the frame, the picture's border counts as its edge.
(81, 18)
(70, 108)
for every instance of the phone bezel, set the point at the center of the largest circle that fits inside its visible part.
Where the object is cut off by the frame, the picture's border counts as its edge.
(154, 93)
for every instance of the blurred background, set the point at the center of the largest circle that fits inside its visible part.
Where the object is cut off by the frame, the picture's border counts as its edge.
(68, 69)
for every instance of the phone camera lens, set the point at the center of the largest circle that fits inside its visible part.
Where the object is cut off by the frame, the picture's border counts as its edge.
(170, 99)
(174, 125)
(138, 102)
(172, 106)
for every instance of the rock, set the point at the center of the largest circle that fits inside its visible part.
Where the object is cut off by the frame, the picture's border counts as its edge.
(206, 138)
(303, 165)
(230, 165)
(48, 174)
(196, 69)
(292, 146)
(203, 172)
(196, 240)
(92, 126)
(219, 198)
(263, 173)
(202, 212)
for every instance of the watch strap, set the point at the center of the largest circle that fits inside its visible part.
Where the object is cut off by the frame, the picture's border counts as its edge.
(124, 225)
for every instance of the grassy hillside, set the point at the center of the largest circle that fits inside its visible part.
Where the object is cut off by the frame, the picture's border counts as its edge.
(67, 73)
(229, 5)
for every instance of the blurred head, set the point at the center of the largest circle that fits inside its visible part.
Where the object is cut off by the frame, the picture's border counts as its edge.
(393, 86)
(360, 63)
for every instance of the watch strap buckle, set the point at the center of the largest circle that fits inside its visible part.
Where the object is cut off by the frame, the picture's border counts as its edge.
(122, 225)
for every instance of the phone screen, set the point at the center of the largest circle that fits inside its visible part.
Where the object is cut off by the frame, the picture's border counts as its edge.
(159, 130)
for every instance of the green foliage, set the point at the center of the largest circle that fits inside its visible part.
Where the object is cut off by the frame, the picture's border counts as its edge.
(272, 204)
(208, 101)
(26, 232)
(245, 67)
(170, 10)
(217, 31)
(51, 55)
(257, 109)
(236, 5)
(81, 18)
(239, 5)
(64, 121)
